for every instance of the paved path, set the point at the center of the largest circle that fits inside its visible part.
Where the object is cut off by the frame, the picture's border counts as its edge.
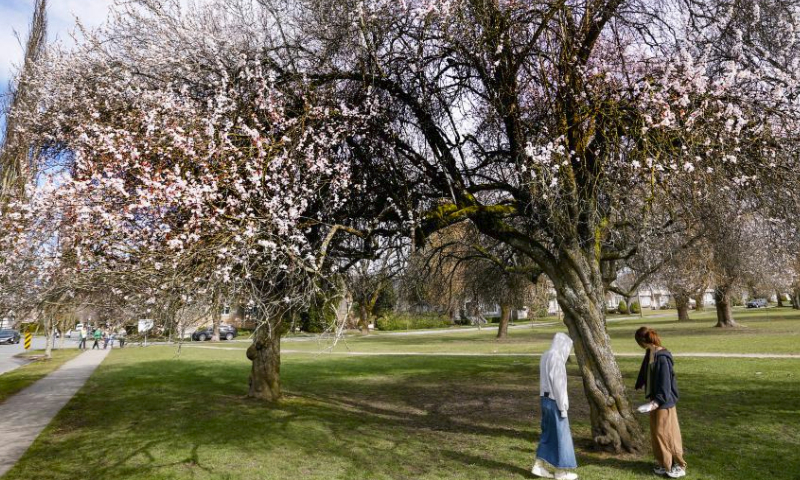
(24, 416)
(467, 354)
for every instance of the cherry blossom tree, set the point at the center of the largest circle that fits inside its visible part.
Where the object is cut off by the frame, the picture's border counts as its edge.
(200, 173)
(561, 129)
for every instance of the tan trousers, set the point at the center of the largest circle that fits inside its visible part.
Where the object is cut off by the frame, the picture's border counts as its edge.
(665, 433)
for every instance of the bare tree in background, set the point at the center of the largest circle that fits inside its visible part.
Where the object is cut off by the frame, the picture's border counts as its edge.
(18, 145)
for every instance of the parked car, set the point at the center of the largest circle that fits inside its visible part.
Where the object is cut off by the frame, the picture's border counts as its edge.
(74, 331)
(228, 332)
(9, 336)
(757, 303)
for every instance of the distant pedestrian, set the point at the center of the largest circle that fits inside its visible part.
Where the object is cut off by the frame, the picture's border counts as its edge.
(98, 334)
(555, 444)
(121, 337)
(106, 338)
(82, 334)
(657, 376)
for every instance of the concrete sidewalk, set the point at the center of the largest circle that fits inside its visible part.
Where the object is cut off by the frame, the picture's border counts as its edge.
(24, 416)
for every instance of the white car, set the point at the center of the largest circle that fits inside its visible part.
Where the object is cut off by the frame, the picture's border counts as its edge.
(74, 330)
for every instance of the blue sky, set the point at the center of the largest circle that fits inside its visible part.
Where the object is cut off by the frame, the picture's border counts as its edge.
(15, 16)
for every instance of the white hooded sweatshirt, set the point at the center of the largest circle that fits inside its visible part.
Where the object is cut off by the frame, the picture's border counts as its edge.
(553, 372)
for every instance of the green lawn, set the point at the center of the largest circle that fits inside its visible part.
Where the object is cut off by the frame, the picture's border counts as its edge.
(16, 380)
(772, 330)
(146, 414)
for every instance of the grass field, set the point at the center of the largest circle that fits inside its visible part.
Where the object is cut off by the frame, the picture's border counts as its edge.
(772, 330)
(16, 380)
(147, 414)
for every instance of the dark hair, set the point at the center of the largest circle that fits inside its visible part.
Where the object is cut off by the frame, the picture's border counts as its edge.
(647, 336)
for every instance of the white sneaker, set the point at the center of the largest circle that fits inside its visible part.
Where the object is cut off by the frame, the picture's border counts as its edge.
(540, 471)
(676, 472)
(565, 475)
(659, 470)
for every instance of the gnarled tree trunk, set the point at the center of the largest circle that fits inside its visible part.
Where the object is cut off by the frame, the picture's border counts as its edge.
(723, 305)
(682, 303)
(505, 314)
(779, 297)
(265, 355)
(579, 289)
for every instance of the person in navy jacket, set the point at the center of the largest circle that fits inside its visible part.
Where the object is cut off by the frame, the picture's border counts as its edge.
(657, 377)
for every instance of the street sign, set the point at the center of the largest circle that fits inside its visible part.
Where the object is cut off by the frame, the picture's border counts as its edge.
(28, 338)
(145, 325)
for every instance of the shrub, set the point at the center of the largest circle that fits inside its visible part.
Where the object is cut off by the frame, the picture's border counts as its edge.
(623, 307)
(635, 307)
(410, 322)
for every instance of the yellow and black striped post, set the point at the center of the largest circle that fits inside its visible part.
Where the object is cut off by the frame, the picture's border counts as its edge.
(28, 338)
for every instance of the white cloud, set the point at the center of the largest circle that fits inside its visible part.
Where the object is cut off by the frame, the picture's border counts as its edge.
(61, 14)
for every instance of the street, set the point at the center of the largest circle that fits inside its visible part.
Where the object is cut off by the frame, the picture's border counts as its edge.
(7, 352)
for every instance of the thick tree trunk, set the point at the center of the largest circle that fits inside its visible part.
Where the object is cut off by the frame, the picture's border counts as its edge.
(215, 324)
(265, 372)
(363, 319)
(796, 299)
(699, 306)
(579, 289)
(779, 296)
(505, 314)
(723, 305)
(682, 303)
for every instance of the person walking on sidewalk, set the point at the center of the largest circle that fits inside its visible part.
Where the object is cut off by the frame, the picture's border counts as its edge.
(657, 376)
(82, 334)
(555, 444)
(121, 337)
(98, 334)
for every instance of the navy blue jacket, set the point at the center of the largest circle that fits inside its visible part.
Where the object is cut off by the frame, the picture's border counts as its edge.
(665, 389)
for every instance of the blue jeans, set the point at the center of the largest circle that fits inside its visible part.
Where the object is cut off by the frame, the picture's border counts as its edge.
(555, 444)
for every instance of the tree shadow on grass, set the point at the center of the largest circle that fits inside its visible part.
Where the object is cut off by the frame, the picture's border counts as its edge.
(398, 417)
(138, 420)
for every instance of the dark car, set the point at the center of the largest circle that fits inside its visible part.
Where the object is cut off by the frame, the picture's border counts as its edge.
(757, 303)
(9, 336)
(227, 332)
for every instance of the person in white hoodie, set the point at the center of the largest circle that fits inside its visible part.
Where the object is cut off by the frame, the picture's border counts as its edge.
(555, 444)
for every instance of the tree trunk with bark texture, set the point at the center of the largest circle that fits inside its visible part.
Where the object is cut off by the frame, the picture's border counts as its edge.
(265, 372)
(49, 338)
(779, 296)
(215, 324)
(796, 299)
(579, 289)
(505, 314)
(699, 306)
(682, 303)
(723, 305)
(363, 319)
